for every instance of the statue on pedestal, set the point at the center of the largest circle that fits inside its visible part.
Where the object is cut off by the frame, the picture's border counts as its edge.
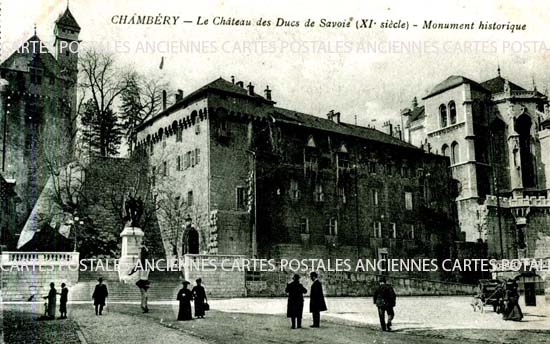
(133, 209)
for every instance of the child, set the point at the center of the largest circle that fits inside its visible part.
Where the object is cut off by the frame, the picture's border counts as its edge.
(63, 301)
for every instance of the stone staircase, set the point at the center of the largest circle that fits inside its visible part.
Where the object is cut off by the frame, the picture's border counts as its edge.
(164, 286)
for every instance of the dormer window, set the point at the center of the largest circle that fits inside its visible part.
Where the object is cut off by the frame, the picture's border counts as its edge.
(311, 160)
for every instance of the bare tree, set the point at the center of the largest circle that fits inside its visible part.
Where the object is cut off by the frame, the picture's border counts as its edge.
(101, 83)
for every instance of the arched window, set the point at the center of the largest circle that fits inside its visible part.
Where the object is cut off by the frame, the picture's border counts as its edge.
(452, 112)
(442, 115)
(455, 153)
(445, 150)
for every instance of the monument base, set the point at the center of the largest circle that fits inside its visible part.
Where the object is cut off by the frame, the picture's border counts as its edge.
(132, 237)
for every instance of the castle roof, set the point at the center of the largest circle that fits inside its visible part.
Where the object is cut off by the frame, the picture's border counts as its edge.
(417, 113)
(31, 53)
(67, 19)
(221, 85)
(305, 120)
(496, 85)
(452, 82)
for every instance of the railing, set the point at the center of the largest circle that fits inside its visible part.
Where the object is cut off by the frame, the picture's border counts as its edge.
(40, 258)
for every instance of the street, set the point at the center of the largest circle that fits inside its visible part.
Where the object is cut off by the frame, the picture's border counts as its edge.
(263, 320)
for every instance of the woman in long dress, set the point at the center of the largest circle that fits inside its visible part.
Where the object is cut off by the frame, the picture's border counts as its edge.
(52, 301)
(513, 310)
(199, 294)
(184, 297)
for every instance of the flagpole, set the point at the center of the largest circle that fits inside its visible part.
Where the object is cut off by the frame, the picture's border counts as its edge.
(255, 224)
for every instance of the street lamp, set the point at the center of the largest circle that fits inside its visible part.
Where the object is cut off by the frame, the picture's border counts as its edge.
(76, 222)
(3, 88)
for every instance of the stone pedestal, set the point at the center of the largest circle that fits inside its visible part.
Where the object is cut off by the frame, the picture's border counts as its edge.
(132, 238)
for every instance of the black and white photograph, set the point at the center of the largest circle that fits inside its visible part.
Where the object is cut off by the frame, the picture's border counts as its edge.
(274, 172)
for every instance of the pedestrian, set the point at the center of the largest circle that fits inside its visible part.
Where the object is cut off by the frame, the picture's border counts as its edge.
(52, 300)
(513, 310)
(63, 301)
(199, 295)
(141, 264)
(184, 297)
(384, 299)
(295, 303)
(99, 296)
(316, 299)
(144, 285)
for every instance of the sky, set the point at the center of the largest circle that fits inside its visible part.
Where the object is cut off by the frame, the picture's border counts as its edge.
(311, 70)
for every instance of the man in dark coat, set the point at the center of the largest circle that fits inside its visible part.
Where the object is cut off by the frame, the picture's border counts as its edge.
(63, 301)
(295, 305)
(316, 300)
(99, 296)
(384, 299)
(184, 297)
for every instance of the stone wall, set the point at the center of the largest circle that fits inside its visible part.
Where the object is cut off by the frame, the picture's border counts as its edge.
(350, 284)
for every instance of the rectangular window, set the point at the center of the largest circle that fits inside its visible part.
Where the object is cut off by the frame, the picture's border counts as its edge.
(377, 229)
(374, 196)
(342, 194)
(411, 232)
(294, 190)
(223, 129)
(165, 168)
(179, 134)
(197, 129)
(197, 156)
(408, 200)
(332, 226)
(178, 163)
(304, 225)
(36, 76)
(152, 148)
(190, 198)
(393, 228)
(241, 197)
(192, 158)
(187, 160)
(372, 166)
(153, 175)
(319, 195)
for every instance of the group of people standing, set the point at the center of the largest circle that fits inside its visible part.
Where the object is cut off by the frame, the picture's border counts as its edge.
(295, 305)
(384, 299)
(186, 295)
(51, 302)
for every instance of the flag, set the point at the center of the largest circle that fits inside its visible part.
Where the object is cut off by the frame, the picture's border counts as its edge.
(161, 62)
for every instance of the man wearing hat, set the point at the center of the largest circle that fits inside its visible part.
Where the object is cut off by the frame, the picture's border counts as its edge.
(295, 305)
(384, 299)
(184, 297)
(316, 300)
(99, 296)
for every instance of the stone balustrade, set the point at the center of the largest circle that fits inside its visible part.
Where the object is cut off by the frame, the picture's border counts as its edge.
(40, 258)
(505, 202)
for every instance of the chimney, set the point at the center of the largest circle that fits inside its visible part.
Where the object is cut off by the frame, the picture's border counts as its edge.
(178, 96)
(267, 93)
(240, 84)
(250, 89)
(163, 100)
(333, 116)
(233, 79)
